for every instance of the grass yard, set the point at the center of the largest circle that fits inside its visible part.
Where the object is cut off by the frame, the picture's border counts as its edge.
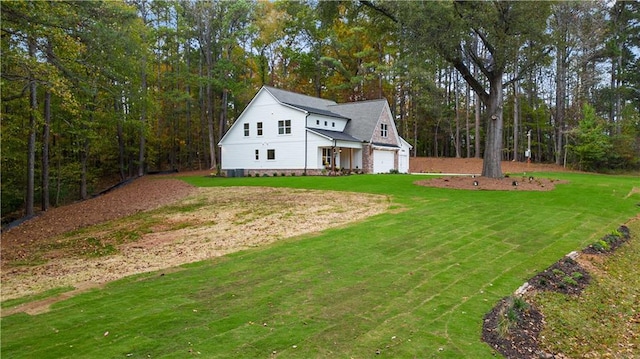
(412, 282)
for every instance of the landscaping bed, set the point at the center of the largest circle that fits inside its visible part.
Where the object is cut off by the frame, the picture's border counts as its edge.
(514, 325)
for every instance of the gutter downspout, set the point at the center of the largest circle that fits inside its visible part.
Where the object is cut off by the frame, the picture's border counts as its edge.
(306, 117)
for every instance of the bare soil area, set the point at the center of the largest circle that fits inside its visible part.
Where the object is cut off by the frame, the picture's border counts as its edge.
(473, 166)
(49, 251)
(199, 223)
(466, 174)
(492, 184)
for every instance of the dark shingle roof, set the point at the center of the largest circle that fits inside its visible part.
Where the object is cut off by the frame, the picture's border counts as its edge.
(334, 135)
(318, 111)
(364, 116)
(296, 99)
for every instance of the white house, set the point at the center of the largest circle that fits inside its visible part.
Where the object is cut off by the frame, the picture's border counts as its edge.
(286, 132)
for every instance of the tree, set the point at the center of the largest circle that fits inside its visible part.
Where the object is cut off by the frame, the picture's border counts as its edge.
(453, 29)
(592, 144)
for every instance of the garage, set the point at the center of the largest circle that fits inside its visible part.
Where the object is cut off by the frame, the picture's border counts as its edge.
(383, 161)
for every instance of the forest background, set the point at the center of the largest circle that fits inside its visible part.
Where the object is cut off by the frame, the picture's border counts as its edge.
(97, 92)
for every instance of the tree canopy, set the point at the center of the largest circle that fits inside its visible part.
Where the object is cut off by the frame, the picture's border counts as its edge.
(99, 92)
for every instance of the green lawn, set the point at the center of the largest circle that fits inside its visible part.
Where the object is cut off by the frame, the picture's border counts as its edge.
(414, 282)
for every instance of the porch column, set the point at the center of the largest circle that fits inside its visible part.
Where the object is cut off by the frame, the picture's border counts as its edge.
(350, 159)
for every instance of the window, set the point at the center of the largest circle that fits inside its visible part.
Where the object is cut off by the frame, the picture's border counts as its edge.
(383, 130)
(257, 155)
(246, 130)
(333, 124)
(318, 122)
(259, 128)
(325, 123)
(284, 127)
(271, 154)
(326, 156)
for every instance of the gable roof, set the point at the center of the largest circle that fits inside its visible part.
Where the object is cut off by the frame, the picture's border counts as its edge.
(318, 111)
(304, 102)
(364, 115)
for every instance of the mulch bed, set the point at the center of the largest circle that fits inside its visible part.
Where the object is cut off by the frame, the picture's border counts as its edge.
(515, 183)
(522, 339)
(565, 276)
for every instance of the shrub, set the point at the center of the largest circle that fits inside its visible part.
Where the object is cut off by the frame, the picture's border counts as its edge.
(577, 275)
(510, 315)
(265, 175)
(569, 281)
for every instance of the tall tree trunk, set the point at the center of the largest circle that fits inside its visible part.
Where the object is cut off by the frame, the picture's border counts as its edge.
(457, 106)
(561, 86)
(467, 116)
(143, 121)
(121, 150)
(84, 154)
(189, 141)
(516, 120)
(491, 165)
(212, 144)
(31, 141)
(478, 106)
(45, 151)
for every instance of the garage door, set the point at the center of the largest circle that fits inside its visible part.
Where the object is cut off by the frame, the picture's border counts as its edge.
(383, 161)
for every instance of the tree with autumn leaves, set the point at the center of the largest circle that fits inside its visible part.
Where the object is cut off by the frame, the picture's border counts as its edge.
(99, 92)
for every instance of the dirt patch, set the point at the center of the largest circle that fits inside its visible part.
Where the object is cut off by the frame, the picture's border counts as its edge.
(201, 223)
(521, 183)
(143, 194)
(474, 166)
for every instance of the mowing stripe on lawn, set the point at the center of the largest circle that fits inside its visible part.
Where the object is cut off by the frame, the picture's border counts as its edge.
(413, 282)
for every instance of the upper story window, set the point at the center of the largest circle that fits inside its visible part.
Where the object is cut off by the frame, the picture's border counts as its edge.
(333, 124)
(318, 122)
(284, 127)
(383, 130)
(246, 130)
(259, 128)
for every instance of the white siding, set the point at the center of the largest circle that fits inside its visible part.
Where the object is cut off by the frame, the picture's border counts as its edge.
(403, 156)
(326, 123)
(238, 151)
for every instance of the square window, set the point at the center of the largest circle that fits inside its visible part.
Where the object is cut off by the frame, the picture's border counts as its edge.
(271, 154)
(259, 128)
(284, 127)
(246, 130)
(257, 155)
